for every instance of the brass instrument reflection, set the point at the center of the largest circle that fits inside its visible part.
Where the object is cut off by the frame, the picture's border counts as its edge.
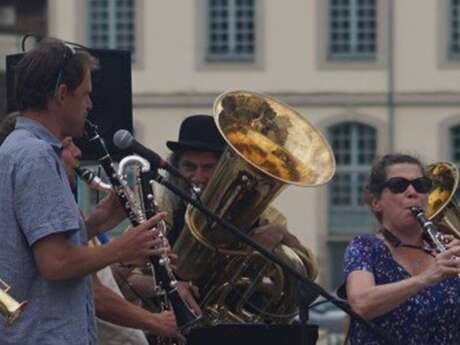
(443, 209)
(9, 307)
(269, 146)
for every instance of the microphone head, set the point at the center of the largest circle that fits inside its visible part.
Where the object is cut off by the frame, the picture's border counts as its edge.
(122, 139)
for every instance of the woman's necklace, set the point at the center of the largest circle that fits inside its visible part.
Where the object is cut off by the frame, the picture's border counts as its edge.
(396, 242)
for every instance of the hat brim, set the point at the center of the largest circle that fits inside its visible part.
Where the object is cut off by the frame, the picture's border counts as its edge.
(176, 146)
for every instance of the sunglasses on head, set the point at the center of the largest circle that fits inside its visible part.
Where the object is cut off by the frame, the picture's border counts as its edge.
(68, 53)
(399, 184)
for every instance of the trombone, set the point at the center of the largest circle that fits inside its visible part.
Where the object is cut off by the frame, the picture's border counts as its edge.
(9, 307)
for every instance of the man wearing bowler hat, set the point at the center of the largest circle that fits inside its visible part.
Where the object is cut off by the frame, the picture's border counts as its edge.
(195, 155)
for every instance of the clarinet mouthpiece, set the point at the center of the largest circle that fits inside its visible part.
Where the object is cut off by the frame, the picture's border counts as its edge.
(416, 210)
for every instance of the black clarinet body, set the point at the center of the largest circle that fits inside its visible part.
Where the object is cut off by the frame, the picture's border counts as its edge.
(185, 318)
(436, 237)
(105, 160)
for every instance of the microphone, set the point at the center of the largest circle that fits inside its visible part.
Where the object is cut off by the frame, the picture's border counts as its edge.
(125, 141)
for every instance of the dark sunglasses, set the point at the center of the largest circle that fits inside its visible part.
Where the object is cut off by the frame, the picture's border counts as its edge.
(399, 184)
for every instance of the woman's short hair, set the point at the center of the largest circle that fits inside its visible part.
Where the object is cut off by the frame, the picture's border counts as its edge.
(379, 175)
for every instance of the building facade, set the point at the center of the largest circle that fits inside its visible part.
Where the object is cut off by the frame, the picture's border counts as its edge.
(374, 75)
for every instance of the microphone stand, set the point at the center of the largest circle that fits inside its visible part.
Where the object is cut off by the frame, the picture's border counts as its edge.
(305, 281)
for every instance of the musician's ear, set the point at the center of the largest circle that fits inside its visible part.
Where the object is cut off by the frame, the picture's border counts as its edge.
(375, 203)
(61, 92)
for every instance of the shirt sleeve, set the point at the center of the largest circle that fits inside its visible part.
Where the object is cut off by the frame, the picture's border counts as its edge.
(359, 255)
(44, 205)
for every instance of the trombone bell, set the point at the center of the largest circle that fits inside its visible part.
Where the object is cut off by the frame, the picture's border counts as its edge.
(9, 307)
(442, 207)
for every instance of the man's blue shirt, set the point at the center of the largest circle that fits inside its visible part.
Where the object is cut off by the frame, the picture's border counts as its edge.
(36, 201)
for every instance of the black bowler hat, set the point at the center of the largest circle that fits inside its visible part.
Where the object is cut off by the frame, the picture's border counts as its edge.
(198, 133)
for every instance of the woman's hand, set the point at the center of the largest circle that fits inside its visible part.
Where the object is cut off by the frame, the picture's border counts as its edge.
(446, 264)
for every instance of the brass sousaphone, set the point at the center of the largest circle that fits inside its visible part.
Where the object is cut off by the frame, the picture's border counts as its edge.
(442, 207)
(269, 145)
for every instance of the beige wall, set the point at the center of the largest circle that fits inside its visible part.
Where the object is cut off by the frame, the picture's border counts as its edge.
(172, 31)
(420, 47)
(424, 130)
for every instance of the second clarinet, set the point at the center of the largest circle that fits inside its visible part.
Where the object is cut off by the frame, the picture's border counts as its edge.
(137, 214)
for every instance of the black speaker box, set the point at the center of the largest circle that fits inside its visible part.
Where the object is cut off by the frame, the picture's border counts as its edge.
(111, 96)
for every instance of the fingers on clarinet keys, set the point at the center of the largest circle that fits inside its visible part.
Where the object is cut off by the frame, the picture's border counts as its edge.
(138, 243)
(450, 261)
(451, 241)
(153, 221)
(453, 251)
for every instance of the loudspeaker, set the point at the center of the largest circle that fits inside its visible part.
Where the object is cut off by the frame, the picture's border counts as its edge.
(111, 96)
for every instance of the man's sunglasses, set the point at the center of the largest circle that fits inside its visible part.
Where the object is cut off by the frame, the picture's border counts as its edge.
(399, 184)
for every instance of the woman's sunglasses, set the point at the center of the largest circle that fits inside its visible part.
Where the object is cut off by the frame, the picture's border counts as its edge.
(399, 184)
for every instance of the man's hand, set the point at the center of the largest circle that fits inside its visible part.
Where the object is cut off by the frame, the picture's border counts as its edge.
(271, 235)
(140, 242)
(164, 324)
(162, 248)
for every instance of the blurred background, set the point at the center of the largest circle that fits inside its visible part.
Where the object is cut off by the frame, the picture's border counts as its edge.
(374, 75)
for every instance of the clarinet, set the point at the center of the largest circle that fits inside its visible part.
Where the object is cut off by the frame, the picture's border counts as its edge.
(105, 160)
(185, 318)
(92, 180)
(435, 236)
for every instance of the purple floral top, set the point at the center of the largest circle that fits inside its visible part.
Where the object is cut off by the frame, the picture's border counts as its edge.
(430, 317)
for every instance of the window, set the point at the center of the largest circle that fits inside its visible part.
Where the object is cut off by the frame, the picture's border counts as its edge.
(231, 30)
(455, 143)
(352, 30)
(454, 30)
(354, 145)
(111, 24)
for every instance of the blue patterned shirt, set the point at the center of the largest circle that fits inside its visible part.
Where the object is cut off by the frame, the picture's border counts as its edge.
(430, 317)
(35, 202)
